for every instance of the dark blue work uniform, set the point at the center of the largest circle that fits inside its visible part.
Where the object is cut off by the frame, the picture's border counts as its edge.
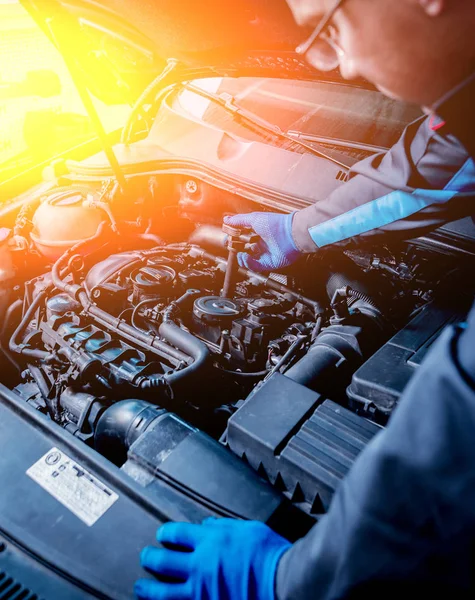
(404, 518)
(413, 188)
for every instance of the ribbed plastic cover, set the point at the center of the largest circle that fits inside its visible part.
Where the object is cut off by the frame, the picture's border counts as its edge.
(11, 589)
(301, 443)
(324, 449)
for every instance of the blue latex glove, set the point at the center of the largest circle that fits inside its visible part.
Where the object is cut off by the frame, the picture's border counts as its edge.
(222, 559)
(276, 248)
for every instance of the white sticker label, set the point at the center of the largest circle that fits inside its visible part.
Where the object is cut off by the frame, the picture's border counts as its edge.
(73, 486)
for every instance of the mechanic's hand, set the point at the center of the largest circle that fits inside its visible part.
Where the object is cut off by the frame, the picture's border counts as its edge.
(222, 559)
(276, 248)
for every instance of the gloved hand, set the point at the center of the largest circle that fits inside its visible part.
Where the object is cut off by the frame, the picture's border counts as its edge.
(276, 248)
(222, 559)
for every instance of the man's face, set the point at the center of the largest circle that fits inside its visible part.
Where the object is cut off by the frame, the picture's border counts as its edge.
(388, 42)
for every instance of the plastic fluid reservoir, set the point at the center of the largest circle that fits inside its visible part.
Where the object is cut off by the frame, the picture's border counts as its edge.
(62, 220)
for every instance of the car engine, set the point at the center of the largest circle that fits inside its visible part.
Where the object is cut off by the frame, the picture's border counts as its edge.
(130, 319)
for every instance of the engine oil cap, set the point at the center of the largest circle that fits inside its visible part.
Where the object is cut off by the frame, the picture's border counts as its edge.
(215, 308)
(153, 279)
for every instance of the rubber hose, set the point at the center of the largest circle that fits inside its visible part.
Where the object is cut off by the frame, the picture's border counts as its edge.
(42, 382)
(14, 344)
(187, 343)
(120, 425)
(16, 306)
(319, 369)
(58, 265)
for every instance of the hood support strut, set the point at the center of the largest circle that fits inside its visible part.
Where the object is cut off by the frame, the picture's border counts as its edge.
(58, 22)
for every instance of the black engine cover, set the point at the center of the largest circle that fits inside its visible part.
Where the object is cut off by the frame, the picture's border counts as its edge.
(378, 384)
(56, 518)
(304, 445)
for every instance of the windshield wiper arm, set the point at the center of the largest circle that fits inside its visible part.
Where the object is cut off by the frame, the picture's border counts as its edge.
(227, 102)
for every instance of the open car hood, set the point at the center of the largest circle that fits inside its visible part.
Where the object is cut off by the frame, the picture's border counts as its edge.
(120, 46)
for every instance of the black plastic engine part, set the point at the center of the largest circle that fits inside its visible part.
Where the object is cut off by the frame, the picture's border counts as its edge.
(248, 341)
(111, 296)
(367, 294)
(212, 315)
(104, 270)
(378, 384)
(185, 345)
(83, 411)
(24, 578)
(335, 355)
(196, 278)
(90, 349)
(214, 309)
(158, 445)
(304, 445)
(120, 425)
(95, 560)
(152, 282)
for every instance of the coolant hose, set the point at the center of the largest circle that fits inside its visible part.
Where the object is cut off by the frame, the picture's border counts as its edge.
(41, 381)
(187, 343)
(8, 316)
(15, 345)
(58, 281)
(44, 386)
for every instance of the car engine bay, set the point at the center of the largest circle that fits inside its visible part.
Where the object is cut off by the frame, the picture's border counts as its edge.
(145, 317)
(146, 376)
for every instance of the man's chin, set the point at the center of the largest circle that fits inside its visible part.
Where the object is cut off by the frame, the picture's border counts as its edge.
(401, 97)
(388, 93)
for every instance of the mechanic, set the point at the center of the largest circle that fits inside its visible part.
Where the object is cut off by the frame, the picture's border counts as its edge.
(404, 516)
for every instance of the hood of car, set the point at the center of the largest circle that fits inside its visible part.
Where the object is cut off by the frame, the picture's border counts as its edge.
(119, 46)
(214, 29)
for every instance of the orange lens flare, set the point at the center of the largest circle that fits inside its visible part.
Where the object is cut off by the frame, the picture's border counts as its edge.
(41, 113)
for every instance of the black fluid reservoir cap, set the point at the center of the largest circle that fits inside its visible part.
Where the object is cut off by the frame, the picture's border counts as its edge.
(153, 279)
(216, 309)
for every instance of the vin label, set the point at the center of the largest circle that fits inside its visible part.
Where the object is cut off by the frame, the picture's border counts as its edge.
(73, 486)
